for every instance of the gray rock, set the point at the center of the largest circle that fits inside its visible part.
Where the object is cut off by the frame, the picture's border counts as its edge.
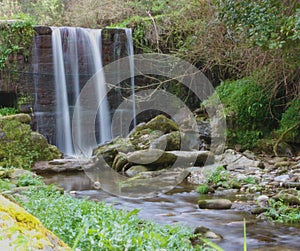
(60, 165)
(207, 233)
(215, 204)
(168, 142)
(153, 157)
(134, 170)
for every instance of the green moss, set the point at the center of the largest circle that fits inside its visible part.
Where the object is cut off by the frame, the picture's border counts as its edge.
(20, 147)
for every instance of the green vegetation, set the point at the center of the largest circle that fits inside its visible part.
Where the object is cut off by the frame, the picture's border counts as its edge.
(20, 147)
(8, 111)
(251, 47)
(15, 39)
(88, 225)
(282, 212)
(247, 109)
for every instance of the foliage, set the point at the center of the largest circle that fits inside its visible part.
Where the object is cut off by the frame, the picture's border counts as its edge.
(15, 39)
(95, 13)
(270, 24)
(44, 12)
(29, 180)
(96, 226)
(290, 122)
(283, 213)
(247, 109)
(216, 177)
(203, 189)
(8, 111)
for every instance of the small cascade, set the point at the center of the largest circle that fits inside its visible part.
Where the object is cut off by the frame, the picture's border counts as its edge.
(130, 53)
(76, 52)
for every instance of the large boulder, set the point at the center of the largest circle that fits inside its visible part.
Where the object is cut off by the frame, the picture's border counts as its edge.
(156, 159)
(215, 204)
(17, 224)
(21, 117)
(145, 133)
(110, 150)
(168, 142)
(21, 147)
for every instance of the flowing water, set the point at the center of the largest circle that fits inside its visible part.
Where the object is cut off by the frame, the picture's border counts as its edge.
(179, 206)
(77, 57)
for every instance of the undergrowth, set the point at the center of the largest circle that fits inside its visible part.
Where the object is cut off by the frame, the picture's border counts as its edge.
(90, 225)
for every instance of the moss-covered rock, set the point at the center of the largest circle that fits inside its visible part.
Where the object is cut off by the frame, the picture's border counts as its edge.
(20, 230)
(170, 141)
(19, 146)
(145, 133)
(21, 117)
(110, 150)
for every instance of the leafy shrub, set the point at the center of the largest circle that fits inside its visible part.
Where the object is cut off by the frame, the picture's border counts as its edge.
(290, 122)
(29, 180)
(283, 213)
(270, 24)
(8, 111)
(247, 109)
(88, 225)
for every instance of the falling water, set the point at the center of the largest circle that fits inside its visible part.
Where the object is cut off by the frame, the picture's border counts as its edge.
(63, 125)
(71, 45)
(129, 49)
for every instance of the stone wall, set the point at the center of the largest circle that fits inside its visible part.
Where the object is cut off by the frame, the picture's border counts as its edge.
(33, 81)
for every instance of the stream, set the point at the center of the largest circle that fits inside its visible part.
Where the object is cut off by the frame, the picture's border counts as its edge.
(180, 206)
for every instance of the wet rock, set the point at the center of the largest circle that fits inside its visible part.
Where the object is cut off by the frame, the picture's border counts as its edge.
(168, 142)
(193, 158)
(207, 233)
(134, 170)
(17, 173)
(159, 159)
(120, 162)
(290, 197)
(153, 157)
(60, 165)
(263, 200)
(258, 210)
(215, 204)
(16, 223)
(145, 133)
(109, 150)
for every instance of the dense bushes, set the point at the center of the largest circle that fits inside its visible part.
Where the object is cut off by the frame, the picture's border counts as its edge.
(247, 109)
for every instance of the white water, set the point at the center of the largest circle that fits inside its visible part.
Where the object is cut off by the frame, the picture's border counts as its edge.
(68, 44)
(130, 52)
(63, 125)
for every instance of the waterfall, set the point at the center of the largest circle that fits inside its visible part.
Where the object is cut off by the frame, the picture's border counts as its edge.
(130, 53)
(76, 52)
